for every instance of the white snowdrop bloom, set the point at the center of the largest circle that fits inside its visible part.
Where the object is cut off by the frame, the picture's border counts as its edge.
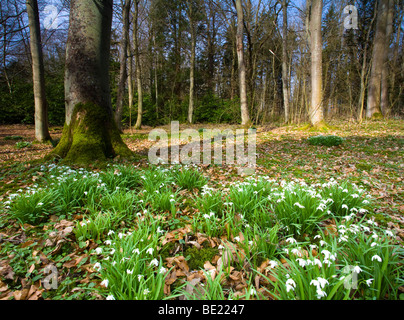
(112, 251)
(320, 293)
(162, 270)
(373, 244)
(365, 202)
(354, 195)
(297, 204)
(154, 262)
(366, 229)
(105, 283)
(389, 233)
(121, 235)
(98, 250)
(291, 240)
(136, 251)
(253, 292)
(150, 251)
(345, 191)
(376, 257)
(326, 253)
(129, 271)
(107, 242)
(317, 262)
(290, 285)
(369, 282)
(110, 297)
(361, 210)
(40, 204)
(110, 232)
(322, 243)
(297, 252)
(317, 237)
(97, 266)
(357, 269)
(220, 247)
(237, 239)
(344, 206)
(302, 262)
(375, 236)
(272, 264)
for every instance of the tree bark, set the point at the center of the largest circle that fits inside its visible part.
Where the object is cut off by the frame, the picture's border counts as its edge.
(245, 117)
(384, 98)
(90, 133)
(285, 70)
(38, 73)
(192, 64)
(138, 124)
(316, 113)
(123, 74)
(378, 58)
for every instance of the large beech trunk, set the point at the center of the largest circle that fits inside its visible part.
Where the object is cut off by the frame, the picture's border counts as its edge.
(90, 132)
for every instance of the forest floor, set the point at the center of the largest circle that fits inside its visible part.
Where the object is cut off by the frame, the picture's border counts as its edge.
(371, 156)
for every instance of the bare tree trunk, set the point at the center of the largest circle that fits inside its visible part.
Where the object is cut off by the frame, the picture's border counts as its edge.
(192, 64)
(378, 58)
(245, 117)
(38, 73)
(138, 124)
(122, 59)
(130, 83)
(384, 99)
(90, 133)
(316, 114)
(285, 70)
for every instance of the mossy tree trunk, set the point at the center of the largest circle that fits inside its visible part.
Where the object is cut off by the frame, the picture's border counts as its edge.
(90, 132)
(138, 124)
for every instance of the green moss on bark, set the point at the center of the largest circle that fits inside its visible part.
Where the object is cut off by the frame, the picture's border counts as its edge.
(92, 136)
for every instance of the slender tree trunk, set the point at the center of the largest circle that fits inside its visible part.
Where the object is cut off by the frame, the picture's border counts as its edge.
(192, 65)
(138, 124)
(245, 117)
(130, 83)
(316, 113)
(123, 59)
(90, 133)
(285, 70)
(38, 73)
(384, 99)
(378, 58)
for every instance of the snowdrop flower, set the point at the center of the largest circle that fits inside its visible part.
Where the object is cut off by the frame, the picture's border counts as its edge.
(154, 262)
(320, 293)
(354, 195)
(317, 262)
(290, 285)
(302, 262)
(326, 253)
(105, 283)
(150, 251)
(107, 242)
(317, 237)
(272, 264)
(322, 243)
(140, 277)
(97, 266)
(297, 252)
(342, 238)
(110, 297)
(344, 206)
(129, 271)
(172, 200)
(40, 204)
(159, 230)
(237, 239)
(369, 282)
(98, 250)
(365, 201)
(357, 269)
(162, 270)
(297, 204)
(146, 291)
(366, 229)
(253, 292)
(136, 251)
(291, 240)
(361, 210)
(389, 233)
(374, 244)
(121, 235)
(110, 232)
(376, 257)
